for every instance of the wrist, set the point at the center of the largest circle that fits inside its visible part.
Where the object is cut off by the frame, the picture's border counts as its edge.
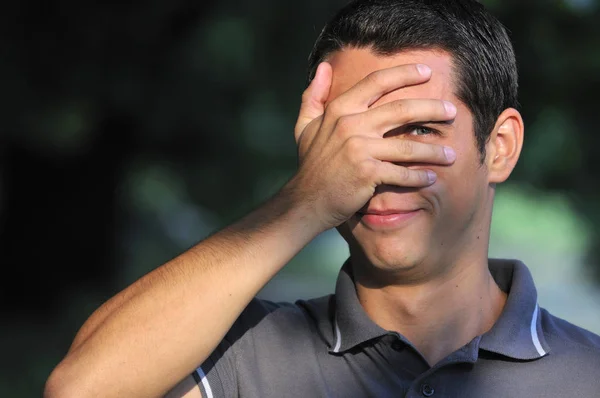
(302, 208)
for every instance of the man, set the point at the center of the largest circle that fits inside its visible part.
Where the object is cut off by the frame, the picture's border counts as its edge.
(407, 126)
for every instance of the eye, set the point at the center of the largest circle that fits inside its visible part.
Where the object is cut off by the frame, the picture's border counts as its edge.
(420, 130)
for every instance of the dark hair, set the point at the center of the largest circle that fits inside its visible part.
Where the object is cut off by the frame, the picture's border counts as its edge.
(482, 54)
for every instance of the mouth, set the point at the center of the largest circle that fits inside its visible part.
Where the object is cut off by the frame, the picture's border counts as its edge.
(386, 219)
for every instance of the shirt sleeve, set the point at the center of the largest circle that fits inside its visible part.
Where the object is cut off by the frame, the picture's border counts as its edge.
(217, 376)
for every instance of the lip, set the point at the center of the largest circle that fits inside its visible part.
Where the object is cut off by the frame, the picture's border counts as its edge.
(386, 219)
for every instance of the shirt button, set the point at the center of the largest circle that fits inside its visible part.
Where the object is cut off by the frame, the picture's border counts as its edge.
(397, 345)
(427, 390)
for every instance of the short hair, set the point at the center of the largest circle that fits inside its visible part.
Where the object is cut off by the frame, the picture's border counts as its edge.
(483, 57)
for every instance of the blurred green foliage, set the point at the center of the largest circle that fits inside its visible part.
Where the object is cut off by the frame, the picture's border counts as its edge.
(133, 130)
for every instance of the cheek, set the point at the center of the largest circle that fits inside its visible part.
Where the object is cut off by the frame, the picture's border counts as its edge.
(457, 192)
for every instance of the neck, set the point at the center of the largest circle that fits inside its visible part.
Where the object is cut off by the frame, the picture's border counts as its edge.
(440, 315)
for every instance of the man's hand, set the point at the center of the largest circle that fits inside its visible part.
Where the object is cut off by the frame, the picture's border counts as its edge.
(343, 155)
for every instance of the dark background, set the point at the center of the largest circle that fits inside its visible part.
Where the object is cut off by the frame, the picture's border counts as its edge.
(131, 131)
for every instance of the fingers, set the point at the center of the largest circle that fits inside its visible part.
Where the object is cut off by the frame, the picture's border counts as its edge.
(402, 112)
(314, 98)
(377, 84)
(380, 155)
(404, 150)
(391, 174)
(396, 114)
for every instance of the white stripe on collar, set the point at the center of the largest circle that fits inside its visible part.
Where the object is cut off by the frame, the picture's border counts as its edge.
(534, 333)
(338, 337)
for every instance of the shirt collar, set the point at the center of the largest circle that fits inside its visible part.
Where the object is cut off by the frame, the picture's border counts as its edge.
(517, 333)
(351, 324)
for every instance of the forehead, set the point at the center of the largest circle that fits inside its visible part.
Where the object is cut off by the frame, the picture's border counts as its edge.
(350, 65)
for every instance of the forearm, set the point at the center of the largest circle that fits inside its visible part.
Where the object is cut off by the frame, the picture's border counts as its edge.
(157, 331)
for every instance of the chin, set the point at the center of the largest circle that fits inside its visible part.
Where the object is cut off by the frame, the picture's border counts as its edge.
(388, 255)
(393, 253)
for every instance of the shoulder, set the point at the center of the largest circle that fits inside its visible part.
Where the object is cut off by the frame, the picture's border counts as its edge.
(570, 340)
(269, 319)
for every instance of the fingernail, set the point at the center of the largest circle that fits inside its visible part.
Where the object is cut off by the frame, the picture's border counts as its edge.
(431, 176)
(450, 108)
(424, 69)
(450, 154)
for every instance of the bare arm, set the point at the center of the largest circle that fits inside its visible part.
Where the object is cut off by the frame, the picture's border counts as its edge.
(156, 332)
(159, 329)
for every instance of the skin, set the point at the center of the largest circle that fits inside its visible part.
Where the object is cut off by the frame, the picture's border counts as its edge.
(454, 209)
(354, 144)
(428, 278)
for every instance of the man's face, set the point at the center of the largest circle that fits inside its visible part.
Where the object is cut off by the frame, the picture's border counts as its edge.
(455, 211)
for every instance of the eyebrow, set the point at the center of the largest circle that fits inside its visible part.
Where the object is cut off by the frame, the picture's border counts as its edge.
(444, 125)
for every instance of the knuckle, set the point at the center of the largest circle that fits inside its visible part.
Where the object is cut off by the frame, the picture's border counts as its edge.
(334, 109)
(346, 124)
(419, 176)
(376, 79)
(368, 170)
(399, 107)
(408, 111)
(404, 174)
(355, 146)
(306, 95)
(406, 148)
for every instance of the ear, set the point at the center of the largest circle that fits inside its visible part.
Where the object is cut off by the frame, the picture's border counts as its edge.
(504, 146)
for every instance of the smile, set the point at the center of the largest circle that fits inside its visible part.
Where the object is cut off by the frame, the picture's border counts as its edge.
(386, 220)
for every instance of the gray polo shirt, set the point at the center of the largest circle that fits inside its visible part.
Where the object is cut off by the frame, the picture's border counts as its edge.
(329, 347)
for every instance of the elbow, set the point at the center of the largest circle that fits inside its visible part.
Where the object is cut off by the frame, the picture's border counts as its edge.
(58, 385)
(52, 389)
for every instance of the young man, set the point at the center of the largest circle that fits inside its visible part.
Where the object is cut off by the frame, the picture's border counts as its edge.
(407, 126)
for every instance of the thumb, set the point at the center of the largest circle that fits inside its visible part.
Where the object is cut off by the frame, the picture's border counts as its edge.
(314, 98)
